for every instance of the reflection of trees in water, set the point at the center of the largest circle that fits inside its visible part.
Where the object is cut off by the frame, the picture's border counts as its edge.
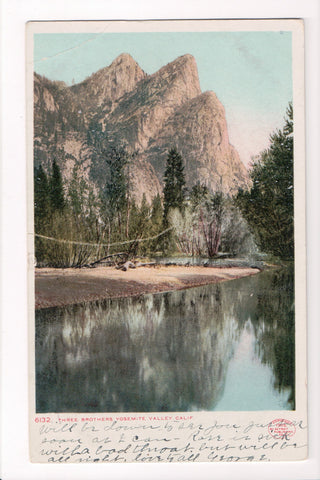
(274, 326)
(267, 300)
(165, 352)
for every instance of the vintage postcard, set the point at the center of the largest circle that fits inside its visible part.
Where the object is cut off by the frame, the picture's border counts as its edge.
(166, 223)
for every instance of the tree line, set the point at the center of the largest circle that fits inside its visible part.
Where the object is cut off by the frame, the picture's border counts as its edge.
(97, 223)
(269, 205)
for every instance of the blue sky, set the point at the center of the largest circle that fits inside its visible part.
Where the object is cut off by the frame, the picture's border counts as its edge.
(250, 72)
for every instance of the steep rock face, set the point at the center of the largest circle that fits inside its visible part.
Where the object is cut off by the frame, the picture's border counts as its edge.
(105, 87)
(55, 104)
(43, 98)
(60, 133)
(149, 113)
(199, 131)
(143, 180)
(59, 129)
(142, 176)
(140, 114)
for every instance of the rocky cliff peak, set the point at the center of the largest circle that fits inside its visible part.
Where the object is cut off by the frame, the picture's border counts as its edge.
(141, 113)
(125, 58)
(149, 113)
(198, 129)
(106, 86)
(182, 73)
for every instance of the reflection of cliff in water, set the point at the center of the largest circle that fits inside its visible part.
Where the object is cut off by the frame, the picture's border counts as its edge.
(164, 352)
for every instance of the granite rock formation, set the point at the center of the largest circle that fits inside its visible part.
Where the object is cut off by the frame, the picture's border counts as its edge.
(149, 114)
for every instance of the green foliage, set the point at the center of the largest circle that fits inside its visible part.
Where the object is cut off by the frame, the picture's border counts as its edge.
(56, 189)
(81, 218)
(156, 223)
(197, 230)
(76, 192)
(116, 189)
(74, 219)
(198, 195)
(236, 237)
(268, 206)
(41, 196)
(211, 222)
(83, 203)
(156, 213)
(142, 226)
(174, 183)
(276, 340)
(173, 194)
(42, 207)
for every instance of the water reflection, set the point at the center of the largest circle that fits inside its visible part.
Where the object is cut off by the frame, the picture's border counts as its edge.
(176, 351)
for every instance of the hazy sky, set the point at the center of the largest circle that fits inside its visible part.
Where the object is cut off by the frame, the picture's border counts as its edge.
(249, 71)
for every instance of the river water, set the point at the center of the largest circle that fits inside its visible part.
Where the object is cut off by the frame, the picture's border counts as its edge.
(219, 347)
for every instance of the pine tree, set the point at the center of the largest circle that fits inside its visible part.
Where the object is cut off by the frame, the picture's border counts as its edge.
(199, 193)
(268, 206)
(144, 208)
(156, 222)
(77, 193)
(156, 214)
(41, 198)
(144, 224)
(174, 183)
(174, 194)
(116, 188)
(56, 189)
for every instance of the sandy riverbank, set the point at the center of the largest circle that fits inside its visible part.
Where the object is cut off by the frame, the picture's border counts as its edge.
(57, 287)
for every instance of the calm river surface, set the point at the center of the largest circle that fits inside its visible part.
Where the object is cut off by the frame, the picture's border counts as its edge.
(219, 347)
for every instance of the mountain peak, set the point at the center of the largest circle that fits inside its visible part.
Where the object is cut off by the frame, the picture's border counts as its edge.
(110, 83)
(184, 68)
(183, 59)
(141, 113)
(123, 58)
(150, 114)
(187, 57)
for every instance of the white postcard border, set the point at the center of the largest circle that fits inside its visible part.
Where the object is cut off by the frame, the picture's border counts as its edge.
(204, 418)
(23, 465)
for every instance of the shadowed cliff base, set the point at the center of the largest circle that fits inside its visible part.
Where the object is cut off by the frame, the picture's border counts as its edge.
(56, 287)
